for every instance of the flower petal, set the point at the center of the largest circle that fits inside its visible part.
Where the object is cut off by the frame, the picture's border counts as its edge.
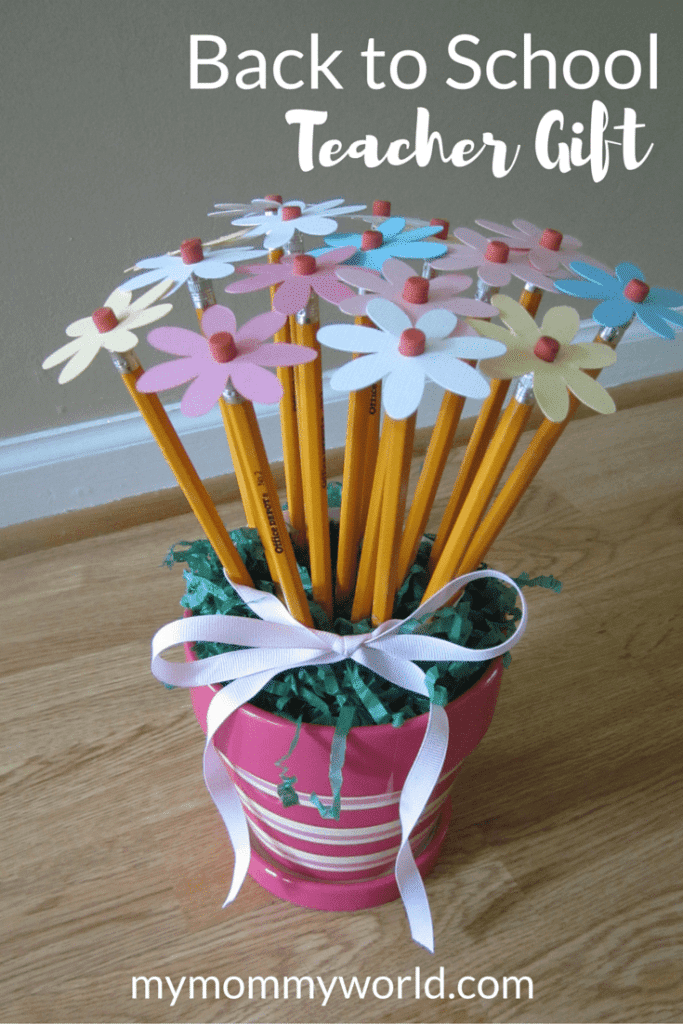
(293, 294)
(588, 391)
(218, 318)
(446, 286)
(495, 331)
(664, 297)
(561, 323)
(582, 289)
(337, 255)
(279, 353)
(517, 318)
(179, 341)
(62, 354)
(360, 373)
(204, 392)
(141, 317)
(473, 239)
(396, 272)
(551, 393)
(255, 383)
(654, 321)
(596, 275)
(330, 289)
(614, 312)
(351, 338)
(388, 316)
(511, 364)
(495, 274)
(152, 276)
(391, 226)
(168, 375)
(360, 277)
(586, 355)
(626, 271)
(437, 323)
(78, 363)
(456, 376)
(403, 388)
(119, 340)
(148, 298)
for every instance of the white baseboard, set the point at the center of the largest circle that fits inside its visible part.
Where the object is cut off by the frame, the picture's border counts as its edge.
(89, 464)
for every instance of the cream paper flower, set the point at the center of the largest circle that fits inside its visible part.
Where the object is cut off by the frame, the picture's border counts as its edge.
(547, 352)
(110, 327)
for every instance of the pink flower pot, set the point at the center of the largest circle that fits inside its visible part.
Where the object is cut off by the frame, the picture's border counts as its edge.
(346, 864)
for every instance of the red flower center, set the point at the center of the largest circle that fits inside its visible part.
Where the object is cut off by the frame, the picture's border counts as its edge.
(105, 319)
(371, 240)
(497, 252)
(546, 348)
(445, 226)
(411, 342)
(381, 208)
(291, 212)
(304, 265)
(222, 347)
(636, 290)
(191, 250)
(551, 239)
(416, 290)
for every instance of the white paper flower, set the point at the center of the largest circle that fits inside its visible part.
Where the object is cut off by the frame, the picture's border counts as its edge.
(284, 219)
(110, 327)
(191, 260)
(404, 355)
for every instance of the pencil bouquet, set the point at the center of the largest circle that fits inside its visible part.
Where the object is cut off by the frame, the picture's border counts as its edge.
(342, 661)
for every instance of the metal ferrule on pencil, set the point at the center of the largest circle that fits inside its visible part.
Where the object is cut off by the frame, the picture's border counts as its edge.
(485, 292)
(428, 270)
(531, 288)
(295, 246)
(125, 362)
(524, 389)
(310, 314)
(231, 396)
(613, 335)
(201, 292)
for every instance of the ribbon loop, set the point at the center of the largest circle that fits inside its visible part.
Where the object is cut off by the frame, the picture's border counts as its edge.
(276, 641)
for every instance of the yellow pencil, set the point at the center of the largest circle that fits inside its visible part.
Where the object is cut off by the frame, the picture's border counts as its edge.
(247, 449)
(538, 450)
(365, 583)
(497, 456)
(172, 449)
(400, 435)
(309, 406)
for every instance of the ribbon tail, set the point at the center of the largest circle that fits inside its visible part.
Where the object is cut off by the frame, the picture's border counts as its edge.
(417, 789)
(226, 798)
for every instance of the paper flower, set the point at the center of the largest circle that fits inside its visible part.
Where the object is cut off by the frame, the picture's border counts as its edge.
(400, 285)
(403, 356)
(191, 261)
(388, 240)
(230, 355)
(546, 352)
(546, 249)
(110, 327)
(240, 209)
(626, 295)
(496, 262)
(298, 276)
(279, 225)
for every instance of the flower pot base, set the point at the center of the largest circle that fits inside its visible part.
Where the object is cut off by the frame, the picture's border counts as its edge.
(338, 895)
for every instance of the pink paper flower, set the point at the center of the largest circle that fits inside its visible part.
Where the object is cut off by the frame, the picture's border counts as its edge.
(221, 354)
(399, 284)
(546, 249)
(298, 276)
(496, 262)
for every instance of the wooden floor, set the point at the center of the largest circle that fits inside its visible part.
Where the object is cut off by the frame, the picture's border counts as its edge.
(563, 862)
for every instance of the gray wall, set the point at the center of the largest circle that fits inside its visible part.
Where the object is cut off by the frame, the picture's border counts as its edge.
(109, 156)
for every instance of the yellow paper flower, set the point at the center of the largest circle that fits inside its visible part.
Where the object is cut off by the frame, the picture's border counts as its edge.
(547, 352)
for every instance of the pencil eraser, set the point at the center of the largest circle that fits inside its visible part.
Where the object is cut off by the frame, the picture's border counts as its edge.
(105, 319)
(546, 348)
(222, 347)
(636, 290)
(497, 252)
(411, 342)
(444, 224)
(274, 199)
(371, 240)
(416, 290)
(304, 265)
(191, 250)
(381, 208)
(291, 212)
(551, 239)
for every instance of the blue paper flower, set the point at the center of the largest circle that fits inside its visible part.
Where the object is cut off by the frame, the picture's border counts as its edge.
(214, 265)
(404, 245)
(624, 296)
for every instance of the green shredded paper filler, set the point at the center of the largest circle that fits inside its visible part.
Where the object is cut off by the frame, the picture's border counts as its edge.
(346, 694)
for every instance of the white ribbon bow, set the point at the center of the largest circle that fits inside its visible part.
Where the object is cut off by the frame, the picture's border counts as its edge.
(276, 642)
